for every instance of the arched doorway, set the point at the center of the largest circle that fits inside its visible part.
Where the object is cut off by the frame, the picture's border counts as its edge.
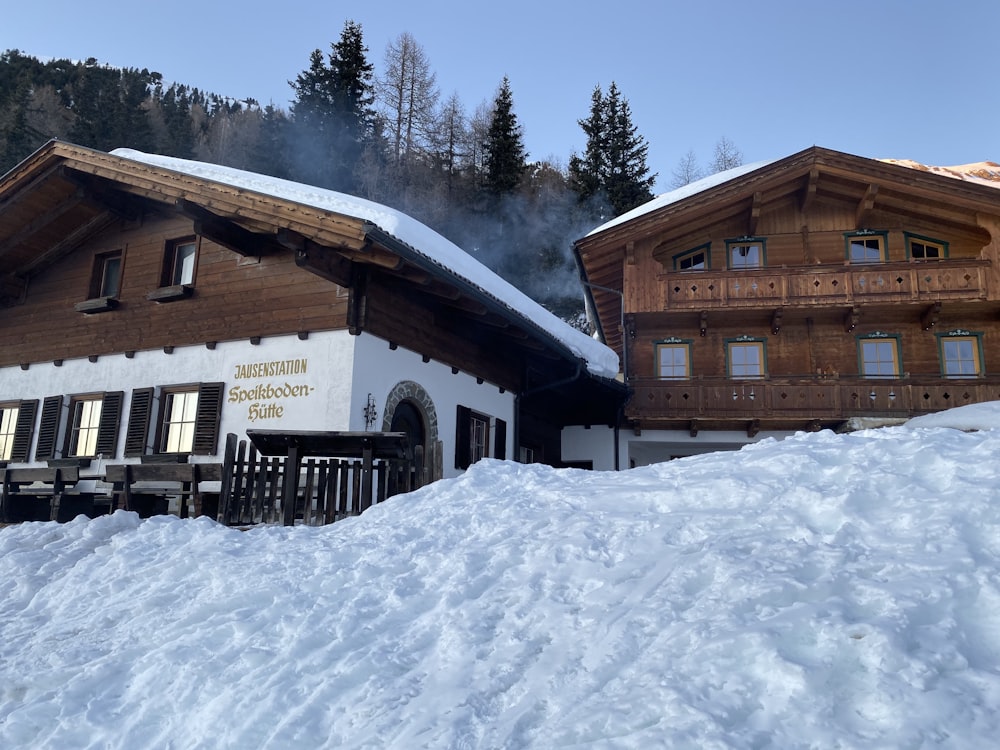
(409, 409)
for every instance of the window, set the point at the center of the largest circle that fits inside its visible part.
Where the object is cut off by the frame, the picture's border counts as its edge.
(8, 425)
(83, 430)
(105, 283)
(924, 248)
(961, 354)
(673, 359)
(692, 260)
(17, 423)
(745, 358)
(91, 429)
(180, 260)
(747, 252)
(188, 419)
(879, 356)
(866, 247)
(472, 437)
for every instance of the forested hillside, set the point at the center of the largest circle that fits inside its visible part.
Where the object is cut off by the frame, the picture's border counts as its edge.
(387, 135)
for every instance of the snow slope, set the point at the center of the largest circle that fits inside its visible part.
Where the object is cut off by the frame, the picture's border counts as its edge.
(825, 591)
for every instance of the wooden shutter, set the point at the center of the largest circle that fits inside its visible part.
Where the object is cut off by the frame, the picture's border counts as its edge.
(500, 440)
(463, 437)
(206, 428)
(23, 430)
(138, 422)
(111, 419)
(48, 428)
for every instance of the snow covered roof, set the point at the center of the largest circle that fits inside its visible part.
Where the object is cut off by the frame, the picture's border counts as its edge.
(673, 196)
(982, 173)
(421, 239)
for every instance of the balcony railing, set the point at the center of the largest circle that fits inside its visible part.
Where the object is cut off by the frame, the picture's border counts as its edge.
(827, 285)
(803, 398)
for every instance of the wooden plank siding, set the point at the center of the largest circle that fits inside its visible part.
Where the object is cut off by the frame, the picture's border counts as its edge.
(807, 302)
(234, 298)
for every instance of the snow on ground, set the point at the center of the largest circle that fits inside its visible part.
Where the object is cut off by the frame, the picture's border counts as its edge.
(825, 591)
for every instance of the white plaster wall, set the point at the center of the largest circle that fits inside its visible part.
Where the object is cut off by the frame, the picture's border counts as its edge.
(593, 443)
(652, 446)
(322, 393)
(378, 369)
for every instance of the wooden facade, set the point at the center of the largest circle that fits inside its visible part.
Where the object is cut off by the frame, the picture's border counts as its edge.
(103, 256)
(806, 263)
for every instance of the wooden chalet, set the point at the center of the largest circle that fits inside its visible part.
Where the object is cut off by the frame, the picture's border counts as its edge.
(149, 306)
(797, 295)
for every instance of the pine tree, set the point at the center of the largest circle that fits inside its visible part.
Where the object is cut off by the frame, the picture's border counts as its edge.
(587, 173)
(332, 113)
(614, 163)
(628, 183)
(505, 155)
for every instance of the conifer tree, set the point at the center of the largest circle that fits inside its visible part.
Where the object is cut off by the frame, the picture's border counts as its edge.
(505, 155)
(332, 113)
(614, 162)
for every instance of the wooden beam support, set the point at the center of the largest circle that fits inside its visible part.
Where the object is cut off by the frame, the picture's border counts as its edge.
(226, 232)
(325, 263)
(357, 302)
(754, 215)
(851, 319)
(809, 194)
(12, 289)
(753, 427)
(693, 428)
(930, 316)
(703, 323)
(865, 206)
(40, 223)
(776, 317)
(104, 194)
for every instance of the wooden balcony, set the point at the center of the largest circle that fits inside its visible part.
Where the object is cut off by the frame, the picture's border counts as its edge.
(801, 399)
(806, 286)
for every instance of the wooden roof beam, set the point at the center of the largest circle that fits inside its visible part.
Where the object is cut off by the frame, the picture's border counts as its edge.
(754, 214)
(227, 233)
(851, 319)
(865, 206)
(929, 317)
(12, 289)
(100, 191)
(776, 320)
(41, 222)
(809, 194)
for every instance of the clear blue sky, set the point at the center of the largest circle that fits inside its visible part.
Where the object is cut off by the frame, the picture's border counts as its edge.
(915, 79)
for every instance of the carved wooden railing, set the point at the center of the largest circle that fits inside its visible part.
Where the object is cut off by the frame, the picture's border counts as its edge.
(806, 398)
(827, 285)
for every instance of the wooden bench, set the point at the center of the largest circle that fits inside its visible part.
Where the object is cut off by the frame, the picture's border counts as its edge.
(150, 498)
(43, 494)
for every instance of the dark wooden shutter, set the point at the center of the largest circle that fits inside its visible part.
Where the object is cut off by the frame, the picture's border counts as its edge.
(111, 419)
(500, 440)
(23, 431)
(463, 437)
(48, 428)
(138, 422)
(206, 428)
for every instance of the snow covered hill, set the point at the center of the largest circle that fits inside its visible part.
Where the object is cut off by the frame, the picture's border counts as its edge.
(826, 591)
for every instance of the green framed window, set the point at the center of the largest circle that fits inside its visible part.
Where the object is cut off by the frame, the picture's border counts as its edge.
(746, 252)
(673, 359)
(961, 354)
(746, 358)
(697, 259)
(878, 355)
(866, 247)
(924, 248)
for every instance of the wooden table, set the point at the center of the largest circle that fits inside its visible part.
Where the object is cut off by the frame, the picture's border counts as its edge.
(296, 445)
